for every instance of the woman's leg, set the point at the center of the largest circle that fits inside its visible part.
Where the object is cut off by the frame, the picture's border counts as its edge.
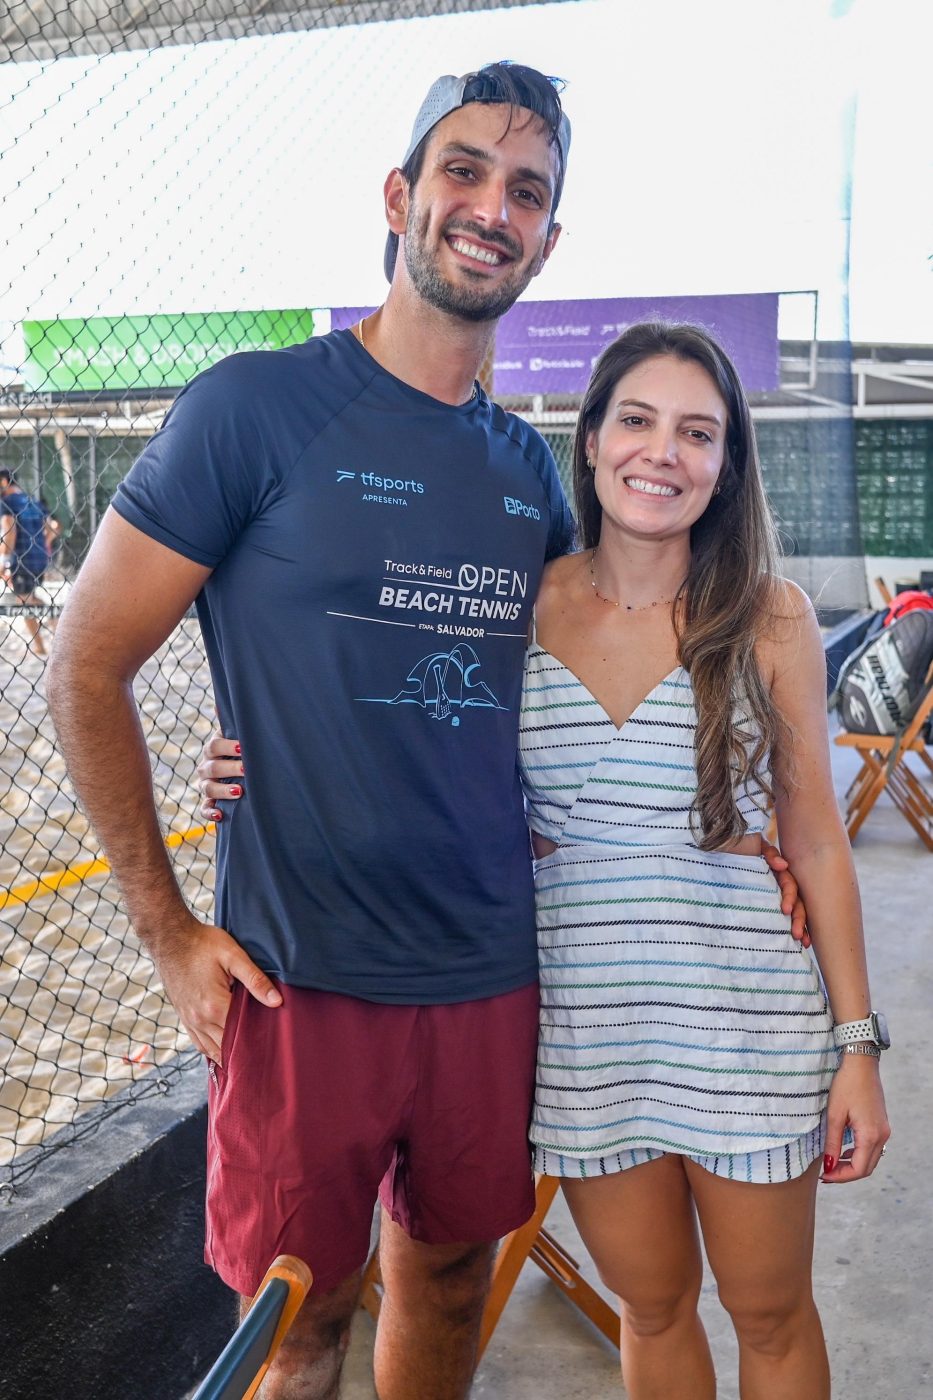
(759, 1242)
(640, 1229)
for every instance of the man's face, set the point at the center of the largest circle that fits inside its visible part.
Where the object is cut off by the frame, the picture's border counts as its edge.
(479, 214)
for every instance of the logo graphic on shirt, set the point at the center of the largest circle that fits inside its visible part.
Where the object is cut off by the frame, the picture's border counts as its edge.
(384, 490)
(442, 683)
(513, 506)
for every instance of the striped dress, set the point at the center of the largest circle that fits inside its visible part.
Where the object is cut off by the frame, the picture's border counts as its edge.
(677, 1012)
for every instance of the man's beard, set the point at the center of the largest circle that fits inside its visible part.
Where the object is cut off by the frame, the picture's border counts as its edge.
(479, 303)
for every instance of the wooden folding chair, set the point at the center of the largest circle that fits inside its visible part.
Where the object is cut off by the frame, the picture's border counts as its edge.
(885, 769)
(238, 1371)
(884, 591)
(533, 1242)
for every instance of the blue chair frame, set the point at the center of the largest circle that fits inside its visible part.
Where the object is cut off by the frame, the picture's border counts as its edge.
(238, 1371)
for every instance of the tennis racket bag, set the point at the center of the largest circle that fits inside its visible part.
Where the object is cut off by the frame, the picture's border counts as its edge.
(881, 683)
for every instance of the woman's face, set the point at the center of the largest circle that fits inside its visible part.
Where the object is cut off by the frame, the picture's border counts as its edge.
(660, 448)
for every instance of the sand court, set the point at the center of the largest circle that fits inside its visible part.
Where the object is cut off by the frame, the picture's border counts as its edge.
(82, 1012)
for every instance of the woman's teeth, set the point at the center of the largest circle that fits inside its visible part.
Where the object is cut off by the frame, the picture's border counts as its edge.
(650, 488)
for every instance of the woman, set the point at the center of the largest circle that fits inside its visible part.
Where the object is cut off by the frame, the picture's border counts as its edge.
(687, 1067)
(676, 686)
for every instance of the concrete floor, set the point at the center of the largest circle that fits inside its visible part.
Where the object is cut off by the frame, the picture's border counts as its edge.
(874, 1255)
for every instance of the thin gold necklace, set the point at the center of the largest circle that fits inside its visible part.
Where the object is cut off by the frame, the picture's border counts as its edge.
(629, 607)
(359, 332)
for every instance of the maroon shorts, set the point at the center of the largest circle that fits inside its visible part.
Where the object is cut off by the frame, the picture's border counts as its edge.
(326, 1102)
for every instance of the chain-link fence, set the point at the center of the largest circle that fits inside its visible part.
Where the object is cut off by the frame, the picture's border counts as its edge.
(143, 147)
(121, 135)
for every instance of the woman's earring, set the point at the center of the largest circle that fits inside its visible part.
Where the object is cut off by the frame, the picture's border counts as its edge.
(716, 489)
(591, 464)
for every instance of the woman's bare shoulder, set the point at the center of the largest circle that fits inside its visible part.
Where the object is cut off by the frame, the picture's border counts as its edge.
(789, 623)
(559, 573)
(566, 564)
(786, 607)
(788, 599)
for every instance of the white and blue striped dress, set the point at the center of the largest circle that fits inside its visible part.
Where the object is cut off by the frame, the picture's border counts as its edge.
(678, 1014)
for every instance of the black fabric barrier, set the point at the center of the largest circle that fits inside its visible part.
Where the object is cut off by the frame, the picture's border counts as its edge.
(103, 1292)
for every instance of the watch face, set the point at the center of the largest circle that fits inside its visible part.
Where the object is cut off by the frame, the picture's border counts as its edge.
(881, 1030)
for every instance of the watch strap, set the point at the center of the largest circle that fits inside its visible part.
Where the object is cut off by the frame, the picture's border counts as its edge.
(849, 1031)
(861, 1048)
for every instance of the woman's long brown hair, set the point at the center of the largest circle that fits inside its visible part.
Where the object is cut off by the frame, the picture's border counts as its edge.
(728, 596)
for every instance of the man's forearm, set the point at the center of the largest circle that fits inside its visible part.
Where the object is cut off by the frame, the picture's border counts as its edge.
(101, 737)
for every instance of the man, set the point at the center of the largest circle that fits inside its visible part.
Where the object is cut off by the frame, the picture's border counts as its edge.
(363, 481)
(374, 885)
(24, 538)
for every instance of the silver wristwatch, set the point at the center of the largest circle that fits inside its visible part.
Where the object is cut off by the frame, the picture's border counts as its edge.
(874, 1028)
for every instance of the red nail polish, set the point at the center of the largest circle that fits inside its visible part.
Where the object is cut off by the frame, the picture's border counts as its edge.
(217, 816)
(235, 791)
(237, 750)
(828, 1162)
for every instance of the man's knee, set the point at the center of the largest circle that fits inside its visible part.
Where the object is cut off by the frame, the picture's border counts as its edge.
(294, 1375)
(451, 1281)
(310, 1358)
(462, 1282)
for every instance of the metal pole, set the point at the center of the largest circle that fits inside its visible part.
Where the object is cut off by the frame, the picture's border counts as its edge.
(37, 460)
(92, 496)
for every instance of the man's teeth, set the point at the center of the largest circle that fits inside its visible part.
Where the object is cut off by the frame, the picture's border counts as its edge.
(470, 250)
(649, 487)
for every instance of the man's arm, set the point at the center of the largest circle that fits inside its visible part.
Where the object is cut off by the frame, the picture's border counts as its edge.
(7, 544)
(51, 532)
(129, 597)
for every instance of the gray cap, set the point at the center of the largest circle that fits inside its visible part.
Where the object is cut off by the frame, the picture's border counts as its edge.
(444, 97)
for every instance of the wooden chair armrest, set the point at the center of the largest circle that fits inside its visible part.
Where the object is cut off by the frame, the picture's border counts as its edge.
(878, 743)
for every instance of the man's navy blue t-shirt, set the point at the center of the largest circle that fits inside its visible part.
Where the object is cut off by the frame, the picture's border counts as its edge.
(375, 556)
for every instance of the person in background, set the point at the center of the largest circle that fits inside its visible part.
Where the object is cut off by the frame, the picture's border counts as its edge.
(24, 540)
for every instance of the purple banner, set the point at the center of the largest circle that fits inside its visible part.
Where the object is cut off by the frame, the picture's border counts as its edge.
(549, 347)
(343, 317)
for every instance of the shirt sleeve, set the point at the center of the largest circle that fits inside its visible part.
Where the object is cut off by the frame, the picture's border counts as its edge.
(562, 533)
(204, 475)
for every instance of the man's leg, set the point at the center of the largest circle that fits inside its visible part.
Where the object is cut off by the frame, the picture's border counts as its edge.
(304, 1110)
(461, 1179)
(36, 644)
(430, 1316)
(307, 1365)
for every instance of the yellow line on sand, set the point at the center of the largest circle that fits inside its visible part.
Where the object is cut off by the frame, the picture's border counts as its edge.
(75, 874)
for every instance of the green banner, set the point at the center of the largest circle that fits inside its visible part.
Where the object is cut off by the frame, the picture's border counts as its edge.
(148, 352)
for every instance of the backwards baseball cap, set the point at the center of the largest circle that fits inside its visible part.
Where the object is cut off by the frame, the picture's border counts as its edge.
(506, 83)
